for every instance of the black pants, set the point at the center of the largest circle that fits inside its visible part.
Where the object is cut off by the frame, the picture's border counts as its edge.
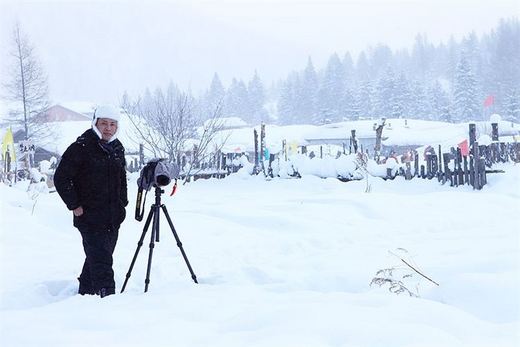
(97, 270)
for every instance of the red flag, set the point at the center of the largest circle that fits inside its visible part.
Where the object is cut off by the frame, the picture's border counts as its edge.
(490, 100)
(464, 148)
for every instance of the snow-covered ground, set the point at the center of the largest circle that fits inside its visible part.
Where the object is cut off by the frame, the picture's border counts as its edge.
(285, 262)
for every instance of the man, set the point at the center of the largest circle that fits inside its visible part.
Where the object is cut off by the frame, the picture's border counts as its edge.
(91, 180)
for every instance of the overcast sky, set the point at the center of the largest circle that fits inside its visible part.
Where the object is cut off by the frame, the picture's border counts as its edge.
(95, 50)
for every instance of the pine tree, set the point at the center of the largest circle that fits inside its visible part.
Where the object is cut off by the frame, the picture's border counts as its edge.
(286, 102)
(505, 61)
(236, 102)
(214, 97)
(256, 95)
(362, 68)
(402, 97)
(365, 99)
(512, 109)
(349, 103)
(420, 105)
(422, 55)
(331, 91)
(308, 94)
(385, 91)
(464, 92)
(439, 102)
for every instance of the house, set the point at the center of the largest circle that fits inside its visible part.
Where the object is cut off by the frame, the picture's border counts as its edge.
(59, 113)
(340, 134)
(32, 153)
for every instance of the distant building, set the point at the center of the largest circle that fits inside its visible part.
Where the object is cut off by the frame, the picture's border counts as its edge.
(58, 113)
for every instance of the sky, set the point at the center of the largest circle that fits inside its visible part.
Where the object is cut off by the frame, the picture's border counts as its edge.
(96, 50)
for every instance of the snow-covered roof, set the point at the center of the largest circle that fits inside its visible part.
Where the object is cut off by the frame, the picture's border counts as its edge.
(229, 122)
(397, 132)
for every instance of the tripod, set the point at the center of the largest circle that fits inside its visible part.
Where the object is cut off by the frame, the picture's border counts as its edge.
(155, 213)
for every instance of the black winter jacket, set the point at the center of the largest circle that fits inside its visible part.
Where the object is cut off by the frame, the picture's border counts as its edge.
(92, 174)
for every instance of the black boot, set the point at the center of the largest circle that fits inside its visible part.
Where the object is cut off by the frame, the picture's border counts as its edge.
(85, 289)
(106, 292)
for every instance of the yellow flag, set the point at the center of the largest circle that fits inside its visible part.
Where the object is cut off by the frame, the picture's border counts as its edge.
(293, 147)
(8, 145)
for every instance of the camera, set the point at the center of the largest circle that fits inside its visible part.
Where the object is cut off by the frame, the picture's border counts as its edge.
(156, 173)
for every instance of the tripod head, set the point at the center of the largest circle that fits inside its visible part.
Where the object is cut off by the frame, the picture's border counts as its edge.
(158, 192)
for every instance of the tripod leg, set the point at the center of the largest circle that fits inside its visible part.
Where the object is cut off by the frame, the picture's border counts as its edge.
(155, 231)
(139, 244)
(179, 243)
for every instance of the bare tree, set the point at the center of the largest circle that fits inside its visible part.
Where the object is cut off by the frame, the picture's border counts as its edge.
(27, 86)
(167, 125)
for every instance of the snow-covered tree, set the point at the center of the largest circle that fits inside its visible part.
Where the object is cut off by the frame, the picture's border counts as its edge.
(236, 103)
(26, 85)
(385, 92)
(214, 97)
(466, 106)
(512, 105)
(308, 94)
(439, 102)
(331, 91)
(256, 95)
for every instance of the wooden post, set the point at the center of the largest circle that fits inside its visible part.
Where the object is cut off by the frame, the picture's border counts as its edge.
(439, 174)
(354, 140)
(389, 173)
(379, 134)
(476, 166)
(255, 169)
(494, 131)
(459, 166)
(495, 146)
(447, 172)
(466, 172)
(428, 165)
(472, 134)
(416, 164)
(270, 170)
(262, 147)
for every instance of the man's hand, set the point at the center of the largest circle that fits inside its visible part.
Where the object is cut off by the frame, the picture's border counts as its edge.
(78, 211)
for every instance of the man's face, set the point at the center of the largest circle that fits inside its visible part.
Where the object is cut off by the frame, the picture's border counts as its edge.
(107, 127)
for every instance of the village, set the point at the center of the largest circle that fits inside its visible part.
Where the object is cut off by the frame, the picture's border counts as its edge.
(347, 151)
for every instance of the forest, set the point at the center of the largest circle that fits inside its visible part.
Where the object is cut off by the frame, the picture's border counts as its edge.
(457, 81)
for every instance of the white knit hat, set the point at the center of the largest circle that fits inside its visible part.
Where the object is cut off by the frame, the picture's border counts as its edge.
(106, 111)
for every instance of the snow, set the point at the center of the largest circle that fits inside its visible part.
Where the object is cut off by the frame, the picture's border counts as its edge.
(285, 262)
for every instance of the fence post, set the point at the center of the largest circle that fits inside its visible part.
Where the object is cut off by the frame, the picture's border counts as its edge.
(262, 146)
(416, 164)
(447, 173)
(466, 173)
(255, 170)
(476, 166)
(459, 166)
(439, 174)
(354, 140)
(472, 134)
